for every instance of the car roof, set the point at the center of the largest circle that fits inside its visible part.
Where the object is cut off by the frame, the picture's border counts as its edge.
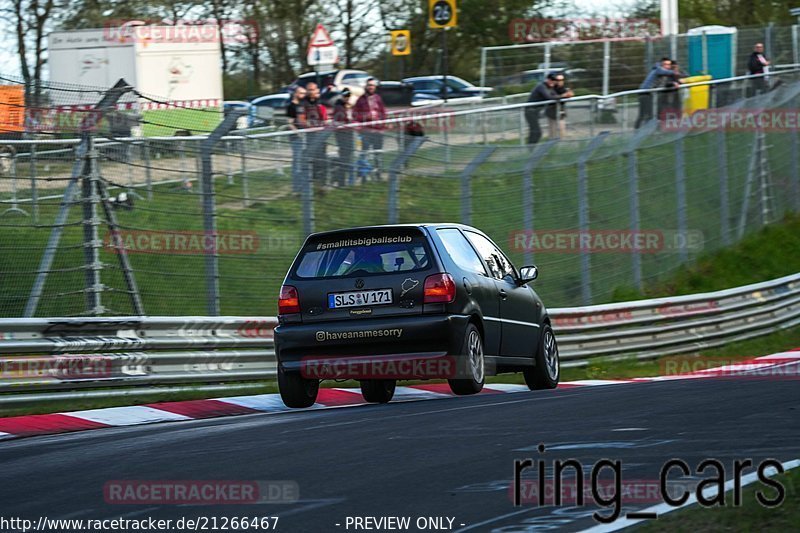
(435, 225)
(435, 77)
(282, 96)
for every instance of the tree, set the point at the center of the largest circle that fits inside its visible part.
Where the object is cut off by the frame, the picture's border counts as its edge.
(31, 20)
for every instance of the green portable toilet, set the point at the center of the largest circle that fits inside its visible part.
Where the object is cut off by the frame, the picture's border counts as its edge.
(717, 56)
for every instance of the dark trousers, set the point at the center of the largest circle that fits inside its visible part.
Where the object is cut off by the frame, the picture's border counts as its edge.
(534, 130)
(645, 109)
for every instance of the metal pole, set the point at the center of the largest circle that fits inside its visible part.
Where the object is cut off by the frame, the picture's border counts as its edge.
(466, 183)
(483, 72)
(307, 186)
(91, 239)
(210, 210)
(148, 172)
(606, 66)
(394, 180)
(633, 202)
(704, 41)
(583, 215)
(751, 168)
(724, 199)
(768, 39)
(680, 193)
(34, 189)
(528, 192)
(795, 52)
(795, 173)
(546, 59)
(243, 157)
(673, 46)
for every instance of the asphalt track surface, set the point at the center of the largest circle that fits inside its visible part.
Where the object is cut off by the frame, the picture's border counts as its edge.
(446, 458)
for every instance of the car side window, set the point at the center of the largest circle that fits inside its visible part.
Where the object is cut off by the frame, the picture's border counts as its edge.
(460, 251)
(498, 263)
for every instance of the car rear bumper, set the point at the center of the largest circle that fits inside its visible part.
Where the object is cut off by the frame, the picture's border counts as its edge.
(353, 345)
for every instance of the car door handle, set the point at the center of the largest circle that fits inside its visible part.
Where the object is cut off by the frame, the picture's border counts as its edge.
(503, 294)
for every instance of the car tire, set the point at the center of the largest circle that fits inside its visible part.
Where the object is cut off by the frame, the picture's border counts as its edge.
(297, 391)
(378, 390)
(547, 371)
(475, 366)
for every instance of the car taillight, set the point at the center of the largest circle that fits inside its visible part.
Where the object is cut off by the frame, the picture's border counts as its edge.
(440, 288)
(288, 302)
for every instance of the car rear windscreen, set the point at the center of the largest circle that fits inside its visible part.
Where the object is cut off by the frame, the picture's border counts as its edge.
(362, 254)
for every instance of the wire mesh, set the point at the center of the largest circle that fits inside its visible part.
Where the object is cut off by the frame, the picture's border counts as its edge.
(574, 213)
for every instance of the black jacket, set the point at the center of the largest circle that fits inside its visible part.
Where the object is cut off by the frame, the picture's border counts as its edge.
(754, 64)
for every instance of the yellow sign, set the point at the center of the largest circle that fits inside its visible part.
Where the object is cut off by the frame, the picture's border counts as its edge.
(401, 42)
(442, 13)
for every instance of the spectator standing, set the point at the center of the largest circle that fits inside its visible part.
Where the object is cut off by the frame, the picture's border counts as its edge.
(368, 108)
(557, 114)
(296, 113)
(316, 116)
(345, 138)
(543, 92)
(661, 75)
(758, 64)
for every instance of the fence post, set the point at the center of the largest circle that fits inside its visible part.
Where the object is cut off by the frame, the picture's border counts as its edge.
(704, 44)
(527, 191)
(394, 181)
(210, 209)
(109, 99)
(795, 52)
(313, 150)
(522, 126)
(680, 193)
(633, 196)
(91, 237)
(34, 189)
(466, 183)
(724, 200)
(795, 174)
(483, 67)
(768, 39)
(606, 66)
(148, 172)
(583, 214)
(243, 158)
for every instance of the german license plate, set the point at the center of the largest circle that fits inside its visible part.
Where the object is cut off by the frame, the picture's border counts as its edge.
(359, 298)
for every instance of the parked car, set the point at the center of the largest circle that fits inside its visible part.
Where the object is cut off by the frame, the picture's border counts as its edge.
(357, 302)
(270, 110)
(430, 88)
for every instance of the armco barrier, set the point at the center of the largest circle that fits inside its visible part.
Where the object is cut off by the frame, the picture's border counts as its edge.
(59, 358)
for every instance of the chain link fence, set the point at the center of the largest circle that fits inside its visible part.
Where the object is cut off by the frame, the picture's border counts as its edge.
(607, 65)
(103, 223)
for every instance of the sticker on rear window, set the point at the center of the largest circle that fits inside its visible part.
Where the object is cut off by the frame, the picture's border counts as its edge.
(366, 241)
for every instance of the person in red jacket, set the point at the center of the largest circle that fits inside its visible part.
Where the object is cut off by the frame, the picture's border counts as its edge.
(368, 108)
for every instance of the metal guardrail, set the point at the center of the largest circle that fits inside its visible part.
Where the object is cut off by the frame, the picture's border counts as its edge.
(47, 359)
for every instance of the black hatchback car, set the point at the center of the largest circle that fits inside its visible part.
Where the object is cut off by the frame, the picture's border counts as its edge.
(383, 303)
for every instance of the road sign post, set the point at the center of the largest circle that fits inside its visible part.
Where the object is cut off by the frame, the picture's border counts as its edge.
(321, 50)
(443, 14)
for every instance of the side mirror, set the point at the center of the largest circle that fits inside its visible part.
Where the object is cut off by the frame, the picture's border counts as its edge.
(528, 274)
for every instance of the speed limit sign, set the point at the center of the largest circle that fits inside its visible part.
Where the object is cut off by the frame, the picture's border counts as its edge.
(442, 13)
